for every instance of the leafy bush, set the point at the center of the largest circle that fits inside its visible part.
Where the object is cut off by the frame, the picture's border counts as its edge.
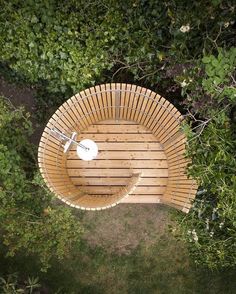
(11, 284)
(28, 220)
(210, 227)
(65, 46)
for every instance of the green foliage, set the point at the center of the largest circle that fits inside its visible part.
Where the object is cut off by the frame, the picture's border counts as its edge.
(65, 46)
(210, 85)
(11, 284)
(50, 46)
(213, 216)
(219, 75)
(210, 227)
(27, 217)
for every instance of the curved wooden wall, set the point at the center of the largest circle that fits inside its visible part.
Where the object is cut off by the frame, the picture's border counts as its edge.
(116, 102)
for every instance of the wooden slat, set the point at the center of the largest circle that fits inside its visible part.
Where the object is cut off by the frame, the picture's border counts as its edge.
(108, 181)
(178, 149)
(168, 119)
(96, 107)
(50, 153)
(117, 164)
(179, 163)
(113, 137)
(175, 145)
(50, 140)
(180, 194)
(122, 101)
(113, 100)
(78, 107)
(109, 99)
(140, 99)
(146, 104)
(112, 122)
(50, 147)
(132, 146)
(64, 113)
(169, 124)
(106, 102)
(182, 204)
(153, 113)
(54, 122)
(72, 114)
(91, 104)
(143, 155)
(136, 99)
(177, 158)
(183, 180)
(162, 173)
(100, 190)
(85, 105)
(157, 115)
(183, 191)
(134, 198)
(128, 102)
(117, 128)
(101, 102)
(171, 132)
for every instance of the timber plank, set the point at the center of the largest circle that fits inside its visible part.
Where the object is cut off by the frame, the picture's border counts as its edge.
(100, 190)
(123, 172)
(123, 154)
(109, 181)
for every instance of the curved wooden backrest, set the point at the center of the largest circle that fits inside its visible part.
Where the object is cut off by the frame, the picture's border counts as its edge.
(117, 101)
(86, 201)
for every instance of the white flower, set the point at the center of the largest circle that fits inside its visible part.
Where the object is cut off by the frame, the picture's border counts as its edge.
(226, 24)
(185, 29)
(184, 84)
(211, 234)
(195, 238)
(221, 225)
(199, 213)
(194, 234)
(207, 224)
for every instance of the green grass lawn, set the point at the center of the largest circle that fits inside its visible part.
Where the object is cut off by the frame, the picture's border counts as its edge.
(107, 262)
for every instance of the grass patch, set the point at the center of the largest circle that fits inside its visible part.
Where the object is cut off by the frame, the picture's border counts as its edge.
(158, 264)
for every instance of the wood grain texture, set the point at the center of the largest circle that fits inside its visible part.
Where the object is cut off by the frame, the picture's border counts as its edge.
(137, 132)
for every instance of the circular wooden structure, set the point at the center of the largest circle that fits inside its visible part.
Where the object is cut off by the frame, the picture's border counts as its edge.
(141, 150)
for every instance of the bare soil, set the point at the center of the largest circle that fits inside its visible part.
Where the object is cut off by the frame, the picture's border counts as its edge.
(22, 96)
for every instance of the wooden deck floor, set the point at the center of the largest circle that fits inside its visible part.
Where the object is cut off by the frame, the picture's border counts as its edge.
(124, 147)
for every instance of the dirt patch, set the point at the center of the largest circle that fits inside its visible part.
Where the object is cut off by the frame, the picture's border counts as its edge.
(22, 96)
(19, 96)
(122, 228)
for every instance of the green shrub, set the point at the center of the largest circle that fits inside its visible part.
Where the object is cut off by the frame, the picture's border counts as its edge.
(11, 284)
(66, 46)
(210, 226)
(28, 220)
